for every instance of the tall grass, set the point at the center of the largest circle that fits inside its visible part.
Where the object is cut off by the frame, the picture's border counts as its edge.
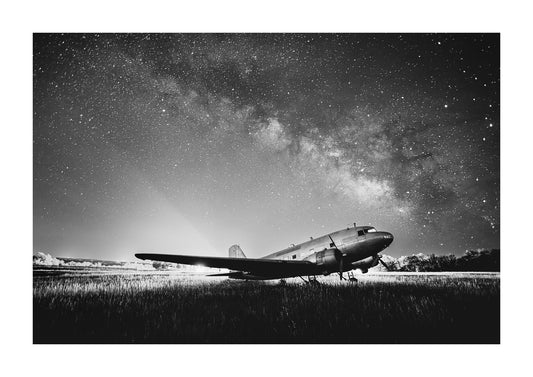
(158, 308)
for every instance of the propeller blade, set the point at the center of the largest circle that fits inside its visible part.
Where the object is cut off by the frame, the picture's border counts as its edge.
(333, 242)
(341, 268)
(339, 256)
(385, 264)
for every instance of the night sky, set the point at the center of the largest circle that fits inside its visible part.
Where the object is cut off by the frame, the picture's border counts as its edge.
(191, 143)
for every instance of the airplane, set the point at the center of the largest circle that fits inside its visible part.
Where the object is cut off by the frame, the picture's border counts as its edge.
(353, 248)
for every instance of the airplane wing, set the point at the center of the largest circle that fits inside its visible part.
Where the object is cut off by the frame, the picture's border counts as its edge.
(257, 266)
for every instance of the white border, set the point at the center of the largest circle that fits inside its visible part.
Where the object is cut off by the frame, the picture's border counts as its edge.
(20, 357)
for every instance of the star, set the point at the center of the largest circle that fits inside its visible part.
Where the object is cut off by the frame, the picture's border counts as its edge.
(261, 131)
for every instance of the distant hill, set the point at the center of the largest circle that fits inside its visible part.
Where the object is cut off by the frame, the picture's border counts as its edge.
(43, 259)
(47, 260)
(473, 260)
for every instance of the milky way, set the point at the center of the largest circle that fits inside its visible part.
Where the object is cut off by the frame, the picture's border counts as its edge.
(190, 143)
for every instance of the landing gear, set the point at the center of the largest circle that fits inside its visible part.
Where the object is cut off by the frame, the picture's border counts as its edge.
(351, 277)
(311, 280)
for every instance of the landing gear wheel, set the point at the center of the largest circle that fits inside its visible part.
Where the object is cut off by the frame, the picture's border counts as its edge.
(311, 280)
(351, 277)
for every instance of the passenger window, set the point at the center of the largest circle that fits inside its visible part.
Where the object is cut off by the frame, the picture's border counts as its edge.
(360, 233)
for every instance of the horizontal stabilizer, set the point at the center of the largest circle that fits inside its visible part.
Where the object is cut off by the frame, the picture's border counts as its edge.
(221, 274)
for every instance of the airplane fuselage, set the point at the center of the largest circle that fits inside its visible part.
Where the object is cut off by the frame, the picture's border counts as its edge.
(343, 250)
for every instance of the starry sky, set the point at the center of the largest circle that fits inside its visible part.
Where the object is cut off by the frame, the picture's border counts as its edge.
(189, 143)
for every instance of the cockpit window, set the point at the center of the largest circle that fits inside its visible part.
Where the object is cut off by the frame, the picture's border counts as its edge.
(370, 230)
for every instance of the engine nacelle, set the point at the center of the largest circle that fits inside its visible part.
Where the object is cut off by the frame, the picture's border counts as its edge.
(328, 260)
(365, 264)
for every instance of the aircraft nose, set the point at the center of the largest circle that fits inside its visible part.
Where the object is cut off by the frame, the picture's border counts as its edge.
(387, 238)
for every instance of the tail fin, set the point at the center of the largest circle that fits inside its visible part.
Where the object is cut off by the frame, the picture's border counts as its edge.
(236, 252)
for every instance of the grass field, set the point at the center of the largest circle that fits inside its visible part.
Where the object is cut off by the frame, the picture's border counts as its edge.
(90, 306)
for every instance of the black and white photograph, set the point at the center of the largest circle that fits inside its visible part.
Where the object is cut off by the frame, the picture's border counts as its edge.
(282, 188)
(266, 188)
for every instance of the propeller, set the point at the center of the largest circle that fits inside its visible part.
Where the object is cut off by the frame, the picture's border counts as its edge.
(383, 263)
(341, 262)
